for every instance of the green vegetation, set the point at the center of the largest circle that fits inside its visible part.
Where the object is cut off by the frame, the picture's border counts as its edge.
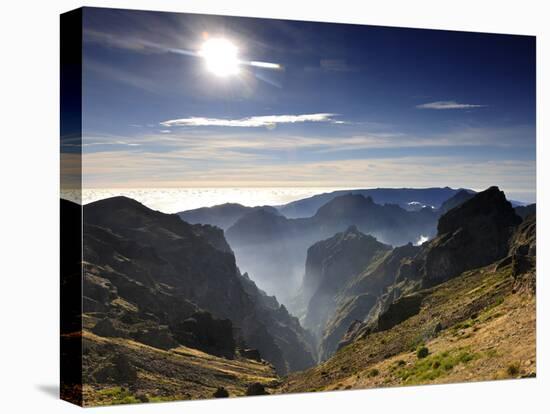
(117, 395)
(433, 366)
(373, 373)
(422, 352)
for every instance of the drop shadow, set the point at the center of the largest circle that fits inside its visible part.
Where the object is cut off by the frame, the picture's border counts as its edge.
(51, 390)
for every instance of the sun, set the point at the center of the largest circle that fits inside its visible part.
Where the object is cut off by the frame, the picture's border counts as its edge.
(221, 57)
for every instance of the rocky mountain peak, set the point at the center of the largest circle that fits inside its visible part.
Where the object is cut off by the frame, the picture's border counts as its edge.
(471, 235)
(490, 205)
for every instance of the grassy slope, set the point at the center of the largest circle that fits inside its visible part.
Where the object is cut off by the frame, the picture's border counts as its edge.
(488, 332)
(178, 374)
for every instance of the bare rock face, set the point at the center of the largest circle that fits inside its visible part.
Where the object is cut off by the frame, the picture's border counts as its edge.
(524, 240)
(400, 310)
(202, 331)
(330, 265)
(523, 251)
(472, 235)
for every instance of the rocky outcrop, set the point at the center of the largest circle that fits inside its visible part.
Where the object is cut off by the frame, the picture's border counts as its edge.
(202, 331)
(400, 310)
(213, 235)
(524, 239)
(472, 235)
(523, 251)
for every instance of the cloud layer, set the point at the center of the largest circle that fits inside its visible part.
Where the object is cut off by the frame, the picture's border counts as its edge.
(448, 105)
(250, 122)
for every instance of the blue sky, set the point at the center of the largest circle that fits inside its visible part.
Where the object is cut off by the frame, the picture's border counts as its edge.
(348, 105)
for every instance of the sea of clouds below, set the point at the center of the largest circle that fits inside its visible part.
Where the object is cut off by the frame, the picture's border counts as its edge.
(173, 200)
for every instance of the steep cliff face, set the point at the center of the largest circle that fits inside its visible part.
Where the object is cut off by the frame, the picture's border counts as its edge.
(471, 235)
(330, 265)
(362, 294)
(523, 251)
(143, 265)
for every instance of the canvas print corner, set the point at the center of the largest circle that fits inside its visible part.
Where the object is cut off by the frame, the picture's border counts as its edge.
(259, 206)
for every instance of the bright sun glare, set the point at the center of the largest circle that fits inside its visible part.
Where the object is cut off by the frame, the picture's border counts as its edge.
(221, 57)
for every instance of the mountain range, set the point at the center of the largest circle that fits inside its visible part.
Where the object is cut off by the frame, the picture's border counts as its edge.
(366, 287)
(271, 242)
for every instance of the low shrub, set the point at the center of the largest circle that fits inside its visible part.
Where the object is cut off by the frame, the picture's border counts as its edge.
(422, 352)
(513, 369)
(373, 373)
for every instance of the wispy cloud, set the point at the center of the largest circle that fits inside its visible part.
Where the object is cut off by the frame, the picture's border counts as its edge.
(250, 122)
(153, 170)
(448, 105)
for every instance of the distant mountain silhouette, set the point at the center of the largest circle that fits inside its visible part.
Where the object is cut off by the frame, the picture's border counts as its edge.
(222, 215)
(403, 197)
(459, 198)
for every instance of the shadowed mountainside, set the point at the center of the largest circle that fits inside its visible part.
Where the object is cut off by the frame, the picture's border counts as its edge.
(158, 280)
(524, 211)
(330, 264)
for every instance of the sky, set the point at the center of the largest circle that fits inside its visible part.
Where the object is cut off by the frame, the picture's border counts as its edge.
(307, 105)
